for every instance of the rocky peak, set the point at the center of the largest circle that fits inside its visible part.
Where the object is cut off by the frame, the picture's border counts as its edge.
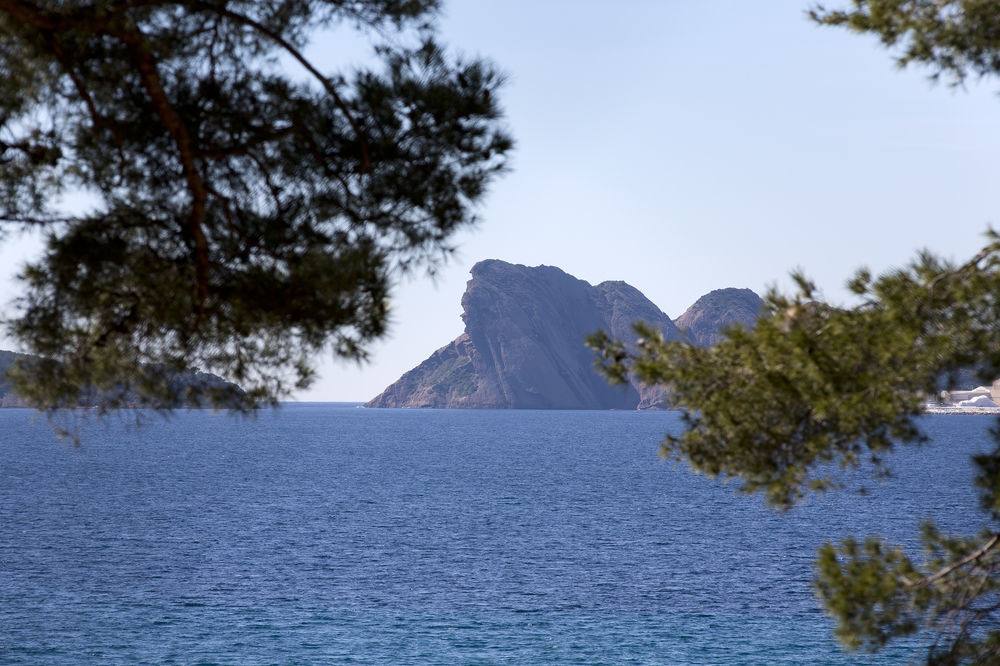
(703, 322)
(523, 345)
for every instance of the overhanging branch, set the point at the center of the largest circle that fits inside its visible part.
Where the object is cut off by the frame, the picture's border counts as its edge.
(968, 559)
(302, 60)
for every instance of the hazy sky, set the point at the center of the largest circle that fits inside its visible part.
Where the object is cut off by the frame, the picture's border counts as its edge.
(687, 146)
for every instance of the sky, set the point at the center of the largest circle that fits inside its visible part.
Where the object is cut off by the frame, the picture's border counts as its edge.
(689, 146)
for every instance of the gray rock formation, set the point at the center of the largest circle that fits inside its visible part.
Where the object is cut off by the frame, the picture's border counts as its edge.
(716, 311)
(523, 345)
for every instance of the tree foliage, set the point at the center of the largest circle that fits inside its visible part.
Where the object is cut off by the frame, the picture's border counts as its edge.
(954, 38)
(243, 218)
(814, 391)
(817, 390)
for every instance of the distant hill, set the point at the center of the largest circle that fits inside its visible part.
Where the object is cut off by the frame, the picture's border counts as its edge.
(523, 345)
(716, 311)
(9, 399)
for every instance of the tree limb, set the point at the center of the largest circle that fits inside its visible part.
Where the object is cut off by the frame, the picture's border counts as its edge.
(141, 51)
(302, 60)
(968, 559)
(96, 117)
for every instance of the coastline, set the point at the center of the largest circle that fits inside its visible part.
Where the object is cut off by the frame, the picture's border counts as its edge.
(941, 409)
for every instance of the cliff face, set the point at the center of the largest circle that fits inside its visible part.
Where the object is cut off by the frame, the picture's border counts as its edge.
(523, 345)
(704, 321)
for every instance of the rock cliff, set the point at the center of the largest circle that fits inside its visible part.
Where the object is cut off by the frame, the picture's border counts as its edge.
(716, 311)
(523, 346)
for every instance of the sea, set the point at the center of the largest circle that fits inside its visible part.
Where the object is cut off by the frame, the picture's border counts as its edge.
(332, 534)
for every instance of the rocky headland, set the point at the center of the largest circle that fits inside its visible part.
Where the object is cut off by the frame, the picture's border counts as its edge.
(523, 345)
(9, 399)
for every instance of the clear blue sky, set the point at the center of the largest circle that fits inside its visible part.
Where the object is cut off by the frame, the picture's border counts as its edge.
(688, 146)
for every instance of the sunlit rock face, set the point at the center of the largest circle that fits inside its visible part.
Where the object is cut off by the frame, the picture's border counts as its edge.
(703, 322)
(523, 346)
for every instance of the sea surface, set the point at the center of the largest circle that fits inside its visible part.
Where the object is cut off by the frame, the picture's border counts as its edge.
(324, 533)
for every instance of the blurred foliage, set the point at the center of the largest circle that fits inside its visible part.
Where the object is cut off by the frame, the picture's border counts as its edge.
(955, 39)
(813, 384)
(815, 390)
(241, 219)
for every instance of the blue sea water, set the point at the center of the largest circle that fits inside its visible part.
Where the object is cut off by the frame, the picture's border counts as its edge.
(328, 534)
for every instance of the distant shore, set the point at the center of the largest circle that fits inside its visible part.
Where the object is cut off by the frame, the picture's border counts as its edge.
(948, 409)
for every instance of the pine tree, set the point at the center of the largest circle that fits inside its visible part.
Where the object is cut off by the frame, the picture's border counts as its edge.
(816, 390)
(248, 211)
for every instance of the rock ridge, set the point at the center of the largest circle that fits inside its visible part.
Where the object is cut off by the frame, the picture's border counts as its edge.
(523, 345)
(704, 322)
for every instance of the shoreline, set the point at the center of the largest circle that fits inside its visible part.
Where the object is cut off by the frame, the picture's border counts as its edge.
(961, 410)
